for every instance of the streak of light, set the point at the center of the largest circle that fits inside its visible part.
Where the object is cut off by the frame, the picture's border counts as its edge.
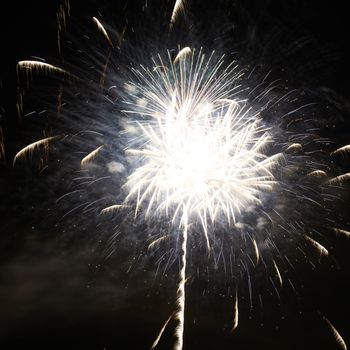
(321, 249)
(28, 150)
(102, 29)
(90, 157)
(338, 338)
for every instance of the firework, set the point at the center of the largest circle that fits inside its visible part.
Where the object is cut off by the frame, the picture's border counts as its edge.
(103, 30)
(338, 338)
(200, 152)
(29, 149)
(195, 151)
(235, 313)
(47, 68)
(178, 8)
(200, 155)
(90, 157)
(342, 150)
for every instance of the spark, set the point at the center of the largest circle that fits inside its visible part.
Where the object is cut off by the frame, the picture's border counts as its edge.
(28, 150)
(155, 343)
(339, 179)
(235, 313)
(295, 147)
(278, 272)
(113, 208)
(317, 173)
(343, 149)
(181, 294)
(338, 338)
(62, 14)
(157, 241)
(185, 52)
(343, 232)
(322, 250)
(178, 8)
(90, 157)
(256, 250)
(102, 29)
(104, 70)
(30, 65)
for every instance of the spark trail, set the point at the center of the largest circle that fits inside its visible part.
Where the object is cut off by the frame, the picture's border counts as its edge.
(181, 292)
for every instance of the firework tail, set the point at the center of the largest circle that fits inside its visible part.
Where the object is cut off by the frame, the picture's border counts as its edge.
(155, 343)
(338, 338)
(181, 293)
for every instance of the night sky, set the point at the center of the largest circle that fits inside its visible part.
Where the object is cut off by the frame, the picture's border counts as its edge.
(57, 291)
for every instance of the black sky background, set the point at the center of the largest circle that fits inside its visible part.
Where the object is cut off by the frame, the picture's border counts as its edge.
(55, 295)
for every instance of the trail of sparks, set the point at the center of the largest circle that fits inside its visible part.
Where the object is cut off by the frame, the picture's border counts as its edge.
(113, 208)
(322, 250)
(338, 338)
(338, 180)
(155, 343)
(341, 150)
(343, 232)
(178, 8)
(30, 65)
(295, 147)
(32, 147)
(181, 293)
(62, 14)
(90, 157)
(184, 53)
(157, 241)
(235, 313)
(102, 29)
(317, 173)
(256, 249)
(278, 273)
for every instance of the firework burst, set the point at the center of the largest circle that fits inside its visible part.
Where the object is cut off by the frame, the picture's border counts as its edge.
(193, 149)
(199, 151)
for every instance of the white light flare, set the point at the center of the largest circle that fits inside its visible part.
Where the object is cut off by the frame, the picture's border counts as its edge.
(198, 151)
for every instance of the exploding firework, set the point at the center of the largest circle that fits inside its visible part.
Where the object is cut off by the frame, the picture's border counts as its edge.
(194, 148)
(200, 152)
